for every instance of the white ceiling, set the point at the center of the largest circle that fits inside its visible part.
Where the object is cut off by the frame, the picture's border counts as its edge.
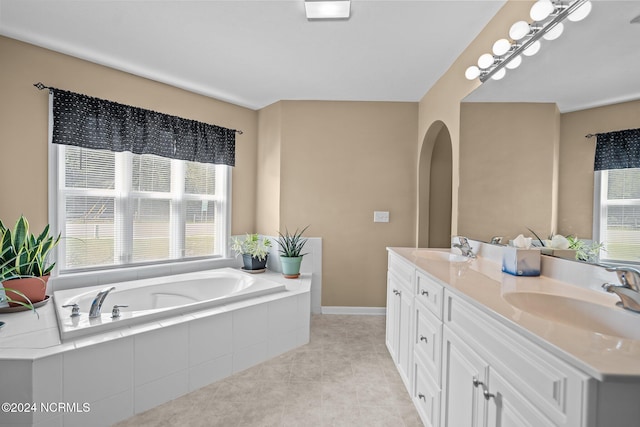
(254, 53)
(595, 62)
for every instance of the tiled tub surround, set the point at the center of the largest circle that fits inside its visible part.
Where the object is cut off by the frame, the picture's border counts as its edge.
(594, 378)
(127, 371)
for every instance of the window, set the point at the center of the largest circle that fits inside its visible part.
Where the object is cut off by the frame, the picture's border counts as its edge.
(118, 208)
(617, 214)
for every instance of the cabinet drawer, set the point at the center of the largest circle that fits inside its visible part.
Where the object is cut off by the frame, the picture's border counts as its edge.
(426, 397)
(429, 293)
(403, 270)
(553, 386)
(428, 340)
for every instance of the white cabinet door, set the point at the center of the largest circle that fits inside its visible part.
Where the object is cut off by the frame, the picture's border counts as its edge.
(393, 316)
(463, 403)
(508, 408)
(405, 342)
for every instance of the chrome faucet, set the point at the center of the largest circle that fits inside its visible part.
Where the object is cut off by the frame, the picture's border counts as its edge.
(96, 305)
(464, 247)
(629, 288)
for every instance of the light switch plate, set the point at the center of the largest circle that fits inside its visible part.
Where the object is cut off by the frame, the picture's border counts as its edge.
(381, 216)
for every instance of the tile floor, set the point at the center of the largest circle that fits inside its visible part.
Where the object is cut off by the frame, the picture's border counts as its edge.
(343, 377)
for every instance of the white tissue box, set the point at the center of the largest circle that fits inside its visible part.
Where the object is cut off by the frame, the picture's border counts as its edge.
(521, 262)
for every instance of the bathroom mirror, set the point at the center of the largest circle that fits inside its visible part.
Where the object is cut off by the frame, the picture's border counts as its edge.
(590, 74)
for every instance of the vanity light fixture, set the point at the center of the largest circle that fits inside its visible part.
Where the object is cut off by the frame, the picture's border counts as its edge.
(327, 9)
(547, 16)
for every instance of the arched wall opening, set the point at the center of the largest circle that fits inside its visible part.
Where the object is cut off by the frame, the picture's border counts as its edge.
(435, 188)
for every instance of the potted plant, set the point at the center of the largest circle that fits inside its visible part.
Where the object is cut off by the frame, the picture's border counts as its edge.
(24, 262)
(254, 250)
(290, 252)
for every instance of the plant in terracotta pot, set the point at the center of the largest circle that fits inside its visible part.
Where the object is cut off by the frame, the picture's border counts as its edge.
(291, 246)
(24, 262)
(254, 251)
(6, 273)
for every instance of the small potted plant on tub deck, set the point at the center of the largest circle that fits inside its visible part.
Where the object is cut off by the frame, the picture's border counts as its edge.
(291, 252)
(24, 262)
(254, 250)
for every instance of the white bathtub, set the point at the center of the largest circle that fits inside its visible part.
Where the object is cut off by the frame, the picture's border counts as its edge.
(153, 299)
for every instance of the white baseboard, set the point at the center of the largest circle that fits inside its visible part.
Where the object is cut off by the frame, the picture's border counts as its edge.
(369, 311)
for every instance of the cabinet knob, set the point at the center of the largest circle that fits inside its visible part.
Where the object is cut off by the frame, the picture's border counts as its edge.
(423, 338)
(421, 396)
(397, 292)
(425, 293)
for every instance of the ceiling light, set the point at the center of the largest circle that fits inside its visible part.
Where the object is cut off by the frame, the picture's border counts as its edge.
(533, 49)
(485, 61)
(333, 9)
(514, 63)
(501, 47)
(554, 32)
(541, 10)
(525, 37)
(519, 30)
(581, 12)
(499, 75)
(472, 73)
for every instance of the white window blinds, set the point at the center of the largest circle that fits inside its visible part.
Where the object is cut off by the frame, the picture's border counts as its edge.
(123, 208)
(618, 226)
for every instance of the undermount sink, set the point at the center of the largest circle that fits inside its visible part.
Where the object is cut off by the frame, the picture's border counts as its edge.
(436, 255)
(586, 315)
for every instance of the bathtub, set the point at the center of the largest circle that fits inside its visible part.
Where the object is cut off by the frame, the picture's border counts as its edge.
(152, 299)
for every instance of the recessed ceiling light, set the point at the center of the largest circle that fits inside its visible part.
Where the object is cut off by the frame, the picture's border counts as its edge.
(333, 9)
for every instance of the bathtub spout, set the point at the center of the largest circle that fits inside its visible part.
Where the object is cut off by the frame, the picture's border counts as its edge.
(96, 305)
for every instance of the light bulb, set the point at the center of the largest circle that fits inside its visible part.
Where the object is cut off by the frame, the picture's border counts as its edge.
(541, 10)
(501, 47)
(580, 13)
(499, 74)
(519, 30)
(533, 49)
(555, 32)
(485, 61)
(472, 73)
(514, 63)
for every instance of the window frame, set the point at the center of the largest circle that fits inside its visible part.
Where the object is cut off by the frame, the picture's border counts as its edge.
(600, 211)
(222, 199)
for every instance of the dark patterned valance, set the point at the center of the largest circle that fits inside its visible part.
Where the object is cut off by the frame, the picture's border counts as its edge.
(89, 122)
(618, 150)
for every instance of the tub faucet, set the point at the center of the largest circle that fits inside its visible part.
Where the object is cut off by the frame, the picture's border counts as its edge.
(96, 305)
(464, 247)
(629, 288)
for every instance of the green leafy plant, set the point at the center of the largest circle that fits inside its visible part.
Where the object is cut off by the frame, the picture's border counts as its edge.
(291, 245)
(252, 245)
(584, 251)
(24, 254)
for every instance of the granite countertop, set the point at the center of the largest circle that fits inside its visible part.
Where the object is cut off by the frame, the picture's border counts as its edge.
(481, 282)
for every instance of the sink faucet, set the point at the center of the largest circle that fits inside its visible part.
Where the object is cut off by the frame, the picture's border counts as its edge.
(464, 247)
(629, 288)
(96, 305)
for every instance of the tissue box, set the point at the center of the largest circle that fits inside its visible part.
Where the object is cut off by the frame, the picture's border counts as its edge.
(521, 262)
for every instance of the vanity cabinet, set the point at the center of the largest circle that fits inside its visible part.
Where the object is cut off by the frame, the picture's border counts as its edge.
(399, 316)
(463, 367)
(495, 377)
(427, 348)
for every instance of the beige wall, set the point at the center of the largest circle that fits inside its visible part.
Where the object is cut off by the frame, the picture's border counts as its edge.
(24, 119)
(508, 164)
(442, 101)
(268, 185)
(575, 202)
(340, 161)
(440, 172)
